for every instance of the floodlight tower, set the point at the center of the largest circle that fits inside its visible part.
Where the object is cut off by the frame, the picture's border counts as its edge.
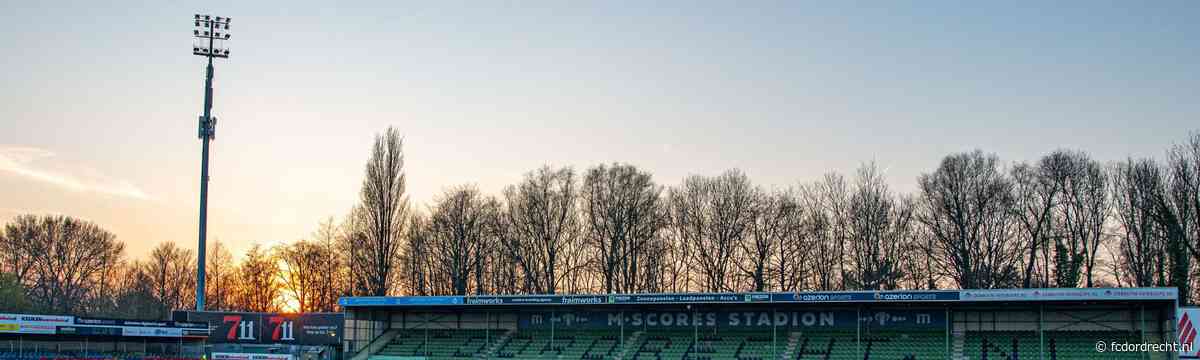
(210, 35)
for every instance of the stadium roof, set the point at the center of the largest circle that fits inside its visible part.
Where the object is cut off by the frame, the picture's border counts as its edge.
(905, 296)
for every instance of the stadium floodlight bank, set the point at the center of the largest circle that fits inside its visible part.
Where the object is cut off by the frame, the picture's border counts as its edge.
(938, 324)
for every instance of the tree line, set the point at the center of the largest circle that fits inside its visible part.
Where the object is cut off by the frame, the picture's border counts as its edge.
(1063, 220)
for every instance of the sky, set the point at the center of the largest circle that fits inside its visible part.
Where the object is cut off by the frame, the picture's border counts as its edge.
(98, 112)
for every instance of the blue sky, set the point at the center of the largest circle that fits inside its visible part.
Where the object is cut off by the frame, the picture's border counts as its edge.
(100, 100)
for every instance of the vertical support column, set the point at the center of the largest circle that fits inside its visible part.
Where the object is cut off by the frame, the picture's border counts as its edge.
(774, 334)
(1159, 322)
(858, 330)
(1041, 332)
(948, 329)
(553, 316)
(621, 340)
(206, 135)
(1142, 325)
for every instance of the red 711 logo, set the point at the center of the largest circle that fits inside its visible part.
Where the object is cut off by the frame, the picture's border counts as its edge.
(238, 329)
(283, 328)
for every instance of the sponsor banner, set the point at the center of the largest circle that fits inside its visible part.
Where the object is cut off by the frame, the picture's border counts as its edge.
(400, 300)
(143, 323)
(27, 328)
(106, 331)
(841, 296)
(37, 329)
(191, 325)
(866, 296)
(663, 320)
(195, 332)
(246, 356)
(799, 297)
(92, 321)
(268, 328)
(1068, 294)
(69, 325)
(615, 299)
(37, 319)
(146, 323)
(916, 296)
(32, 324)
(151, 331)
(689, 298)
(89, 330)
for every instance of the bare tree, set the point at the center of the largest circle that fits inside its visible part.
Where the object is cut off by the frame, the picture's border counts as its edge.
(1173, 216)
(258, 288)
(575, 263)
(170, 270)
(827, 224)
(352, 244)
(62, 261)
(17, 244)
(622, 210)
(310, 270)
(657, 267)
(879, 232)
(765, 252)
(1142, 239)
(1081, 218)
(134, 297)
(506, 272)
(459, 230)
(677, 256)
(417, 259)
(300, 274)
(712, 216)
(924, 272)
(332, 268)
(219, 277)
(793, 248)
(965, 206)
(542, 223)
(1183, 162)
(1036, 190)
(384, 211)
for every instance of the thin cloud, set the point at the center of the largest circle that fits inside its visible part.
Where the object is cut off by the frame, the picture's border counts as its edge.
(29, 162)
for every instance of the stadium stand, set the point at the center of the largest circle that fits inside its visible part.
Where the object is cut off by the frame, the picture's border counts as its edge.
(464, 345)
(1043, 324)
(64, 337)
(1007, 345)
